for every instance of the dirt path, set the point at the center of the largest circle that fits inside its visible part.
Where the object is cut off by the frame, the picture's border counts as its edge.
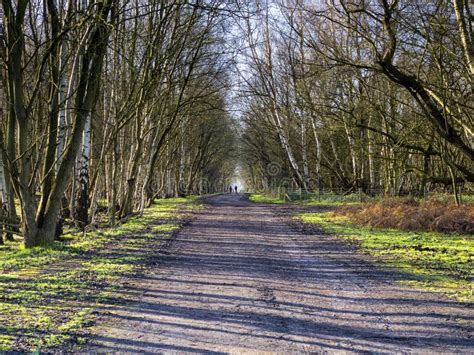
(238, 279)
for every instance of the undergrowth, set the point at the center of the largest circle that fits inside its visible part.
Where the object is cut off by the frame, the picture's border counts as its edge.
(47, 294)
(261, 198)
(430, 260)
(325, 201)
(354, 199)
(412, 215)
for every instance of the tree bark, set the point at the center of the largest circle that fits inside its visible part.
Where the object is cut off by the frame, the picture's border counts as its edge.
(466, 35)
(39, 225)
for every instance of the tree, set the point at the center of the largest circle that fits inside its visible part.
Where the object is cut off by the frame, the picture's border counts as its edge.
(39, 220)
(377, 94)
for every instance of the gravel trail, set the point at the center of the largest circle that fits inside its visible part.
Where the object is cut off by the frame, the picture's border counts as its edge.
(239, 279)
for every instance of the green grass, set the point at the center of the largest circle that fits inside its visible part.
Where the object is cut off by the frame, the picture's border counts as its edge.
(260, 198)
(326, 201)
(47, 294)
(438, 262)
(332, 199)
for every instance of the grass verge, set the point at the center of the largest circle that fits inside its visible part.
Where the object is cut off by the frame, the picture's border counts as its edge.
(327, 201)
(434, 261)
(47, 294)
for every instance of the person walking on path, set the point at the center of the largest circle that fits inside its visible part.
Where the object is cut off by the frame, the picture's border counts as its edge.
(230, 189)
(235, 188)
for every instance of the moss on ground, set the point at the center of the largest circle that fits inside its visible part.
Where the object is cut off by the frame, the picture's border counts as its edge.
(334, 200)
(435, 261)
(47, 294)
(260, 198)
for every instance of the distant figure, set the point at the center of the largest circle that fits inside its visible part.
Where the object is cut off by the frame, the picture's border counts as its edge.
(235, 188)
(230, 189)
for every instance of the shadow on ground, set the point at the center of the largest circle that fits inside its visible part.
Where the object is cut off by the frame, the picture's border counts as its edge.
(239, 279)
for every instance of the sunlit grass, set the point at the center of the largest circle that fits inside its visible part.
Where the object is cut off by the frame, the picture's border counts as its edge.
(434, 261)
(260, 198)
(334, 199)
(48, 293)
(325, 201)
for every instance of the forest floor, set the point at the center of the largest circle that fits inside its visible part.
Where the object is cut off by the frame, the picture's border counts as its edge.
(50, 294)
(245, 277)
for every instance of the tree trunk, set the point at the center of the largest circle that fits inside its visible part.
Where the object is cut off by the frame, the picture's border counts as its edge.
(126, 207)
(371, 155)
(39, 226)
(350, 141)
(3, 194)
(465, 31)
(82, 207)
(304, 153)
(318, 153)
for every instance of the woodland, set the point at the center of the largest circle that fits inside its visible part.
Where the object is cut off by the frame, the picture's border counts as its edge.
(107, 105)
(238, 176)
